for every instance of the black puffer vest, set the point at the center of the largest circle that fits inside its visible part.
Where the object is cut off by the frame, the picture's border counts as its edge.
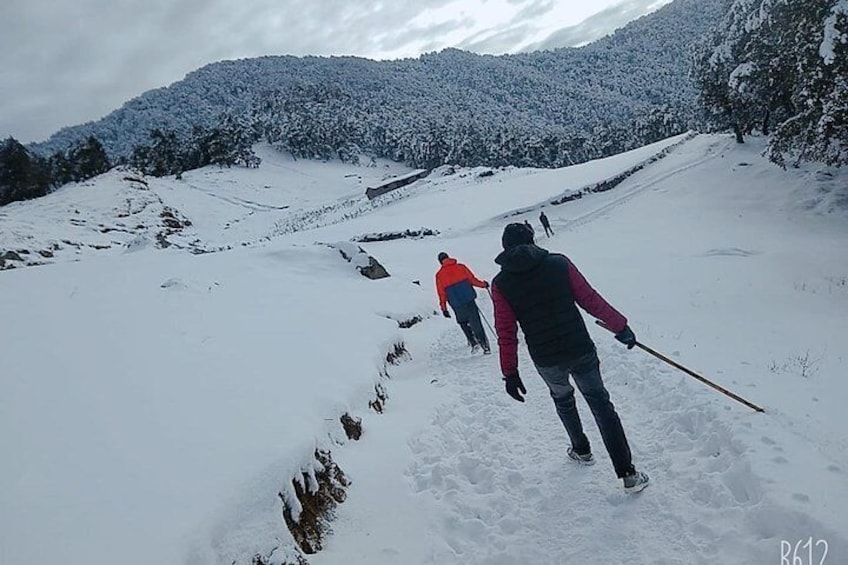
(537, 287)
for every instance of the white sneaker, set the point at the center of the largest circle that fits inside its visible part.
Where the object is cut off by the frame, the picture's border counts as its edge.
(635, 482)
(587, 459)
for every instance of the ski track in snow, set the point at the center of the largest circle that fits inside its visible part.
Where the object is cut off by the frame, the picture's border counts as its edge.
(501, 490)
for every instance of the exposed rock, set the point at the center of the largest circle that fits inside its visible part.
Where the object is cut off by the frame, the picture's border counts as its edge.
(45, 253)
(374, 270)
(318, 494)
(398, 353)
(391, 235)
(364, 263)
(352, 426)
(11, 256)
(380, 399)
(162, 240)
(406, 324)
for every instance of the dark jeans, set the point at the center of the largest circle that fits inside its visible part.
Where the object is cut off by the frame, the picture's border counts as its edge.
(586, 373)
(468, 318)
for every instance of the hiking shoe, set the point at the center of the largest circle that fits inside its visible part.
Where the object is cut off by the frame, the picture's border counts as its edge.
(635, 482)
(584, 459)
(475, 348)
(487, 350)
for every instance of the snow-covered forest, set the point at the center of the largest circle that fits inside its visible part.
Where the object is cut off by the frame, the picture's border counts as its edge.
(780, 67)
(544, 109)
(773, 66)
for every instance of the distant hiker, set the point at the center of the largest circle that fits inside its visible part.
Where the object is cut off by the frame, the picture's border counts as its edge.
(546, 224)
(526, 223)
(455, 285)
(540, 291)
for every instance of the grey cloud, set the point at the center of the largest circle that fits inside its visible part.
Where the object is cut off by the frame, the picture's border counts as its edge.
(603, 23)
(63, 63)
(427, 34)
(499, 42)
(505, 38)
(66, 62)
(534, 9)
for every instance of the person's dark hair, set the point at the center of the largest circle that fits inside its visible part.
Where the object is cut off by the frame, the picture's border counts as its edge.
(442, 256)
(516, 234)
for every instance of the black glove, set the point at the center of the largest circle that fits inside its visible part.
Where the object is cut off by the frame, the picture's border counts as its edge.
(445, 313)
(513, 386)
(485, 284)
(627, 337)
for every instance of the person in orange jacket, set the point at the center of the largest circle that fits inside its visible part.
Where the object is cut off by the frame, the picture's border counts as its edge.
(455, 285)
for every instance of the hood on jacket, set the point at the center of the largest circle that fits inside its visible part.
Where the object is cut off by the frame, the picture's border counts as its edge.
(521, 258)
(448, 262)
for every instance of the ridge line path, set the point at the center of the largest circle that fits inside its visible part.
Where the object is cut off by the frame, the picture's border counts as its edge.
(647, 178)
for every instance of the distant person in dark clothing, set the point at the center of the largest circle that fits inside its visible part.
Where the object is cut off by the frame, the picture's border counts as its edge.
(540, 292)
(455, 286)
(546, 224)
(529, 227)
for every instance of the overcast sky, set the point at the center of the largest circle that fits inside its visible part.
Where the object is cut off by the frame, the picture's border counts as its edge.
(65, 62)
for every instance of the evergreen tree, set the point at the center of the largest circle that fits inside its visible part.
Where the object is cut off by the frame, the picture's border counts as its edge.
(780, 62)
(61, 168)
(22, 176)
(87, 159)
(818, 130)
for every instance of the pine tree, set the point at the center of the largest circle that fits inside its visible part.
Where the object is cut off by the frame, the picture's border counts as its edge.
(88, 159)
(22, 176)
(818, 131)
(780, 62)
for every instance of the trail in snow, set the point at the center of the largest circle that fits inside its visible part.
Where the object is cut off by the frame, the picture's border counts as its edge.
(492, 481)
(501, 490)
(647, 179)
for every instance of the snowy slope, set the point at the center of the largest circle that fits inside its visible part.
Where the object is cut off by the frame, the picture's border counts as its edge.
(729, 265)
(154, 403)
(214, 208)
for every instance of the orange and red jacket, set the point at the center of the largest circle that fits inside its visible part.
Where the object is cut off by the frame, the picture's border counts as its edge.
(454, 283)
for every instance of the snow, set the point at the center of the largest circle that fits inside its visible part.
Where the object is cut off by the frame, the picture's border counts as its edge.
(738, 76)
(153, 404)
(831, 34)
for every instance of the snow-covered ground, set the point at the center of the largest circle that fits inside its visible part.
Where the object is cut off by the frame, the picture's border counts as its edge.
(154, 402)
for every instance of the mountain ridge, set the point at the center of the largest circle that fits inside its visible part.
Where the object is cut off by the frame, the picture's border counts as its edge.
(568, 92)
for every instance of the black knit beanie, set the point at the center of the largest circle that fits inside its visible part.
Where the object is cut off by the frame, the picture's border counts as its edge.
(442, 256)
(516, 234)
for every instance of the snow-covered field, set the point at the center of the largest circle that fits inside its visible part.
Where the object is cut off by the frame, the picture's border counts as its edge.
(155, 403)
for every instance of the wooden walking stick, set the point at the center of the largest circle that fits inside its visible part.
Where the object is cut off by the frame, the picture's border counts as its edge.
(691, 373)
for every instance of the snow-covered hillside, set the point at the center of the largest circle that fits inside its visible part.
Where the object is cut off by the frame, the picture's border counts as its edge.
(156, 401)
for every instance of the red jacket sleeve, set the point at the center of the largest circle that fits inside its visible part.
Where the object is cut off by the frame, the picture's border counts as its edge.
(589, 299)
(506, 326)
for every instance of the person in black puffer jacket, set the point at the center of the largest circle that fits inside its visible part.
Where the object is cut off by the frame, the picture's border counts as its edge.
(540, 291)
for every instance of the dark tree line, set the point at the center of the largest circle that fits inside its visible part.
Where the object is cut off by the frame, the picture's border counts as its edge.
(780, 67)
(25, 175)
(230, 143)
(326, 121)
